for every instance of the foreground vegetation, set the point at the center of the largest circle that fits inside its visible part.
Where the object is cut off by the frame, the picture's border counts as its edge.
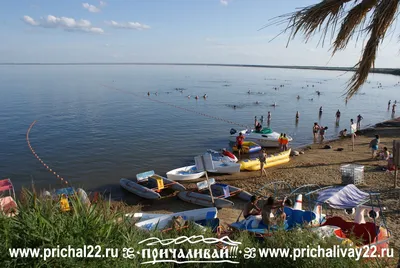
(41, 224)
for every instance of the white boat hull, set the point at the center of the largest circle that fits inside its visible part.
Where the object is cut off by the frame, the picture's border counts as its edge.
(188, 173)
(161, 222)
(225, 167)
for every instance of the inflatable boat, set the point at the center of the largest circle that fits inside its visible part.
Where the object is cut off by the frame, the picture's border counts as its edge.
(271, 161)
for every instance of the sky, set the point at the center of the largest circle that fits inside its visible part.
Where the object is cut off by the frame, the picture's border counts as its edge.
(178, 31)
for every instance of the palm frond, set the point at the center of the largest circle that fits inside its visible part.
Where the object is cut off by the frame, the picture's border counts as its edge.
(383, 17)
(324, 17)
(312, 18)
(353, 20)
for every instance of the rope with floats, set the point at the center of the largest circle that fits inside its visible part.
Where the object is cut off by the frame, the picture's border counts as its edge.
(176, 106)
(38, 158)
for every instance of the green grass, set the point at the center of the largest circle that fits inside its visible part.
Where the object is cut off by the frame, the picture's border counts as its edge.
(41, 224)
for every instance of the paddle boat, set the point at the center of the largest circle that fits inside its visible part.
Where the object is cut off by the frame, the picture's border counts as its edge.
(223, 165)
(353, 201)
(271, 161)
(149, 185)
(220, 193)
(161, 221)
(63, 195)
(265, 137)
(8, 206)
(248, 147)
(188, 173)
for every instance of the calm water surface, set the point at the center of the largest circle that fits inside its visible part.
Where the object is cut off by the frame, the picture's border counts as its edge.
(93, 135)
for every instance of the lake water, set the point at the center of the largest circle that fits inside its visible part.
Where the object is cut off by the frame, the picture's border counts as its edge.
(93, 135)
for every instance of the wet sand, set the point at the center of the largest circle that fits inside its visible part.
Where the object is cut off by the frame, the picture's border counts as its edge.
(316, 166)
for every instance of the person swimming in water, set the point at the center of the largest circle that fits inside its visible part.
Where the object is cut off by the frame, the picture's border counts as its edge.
(249, 92)
(205, 96)
(298, 97)
(197, 97)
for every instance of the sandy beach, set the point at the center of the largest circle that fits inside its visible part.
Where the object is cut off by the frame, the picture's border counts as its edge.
(316, 166)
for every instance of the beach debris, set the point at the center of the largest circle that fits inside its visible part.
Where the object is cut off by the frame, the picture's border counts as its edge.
(339, 149)
(301, 152)
(327, 146)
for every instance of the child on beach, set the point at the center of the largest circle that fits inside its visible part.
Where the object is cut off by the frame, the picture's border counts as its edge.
(343, 133)
(262, 157)
(374, 145)
(385, 154)
(251, 207)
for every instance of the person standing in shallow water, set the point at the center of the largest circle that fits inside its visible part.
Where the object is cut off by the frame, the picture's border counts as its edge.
(359, 118)
(315, 131)
(297, 116)
(337, 117)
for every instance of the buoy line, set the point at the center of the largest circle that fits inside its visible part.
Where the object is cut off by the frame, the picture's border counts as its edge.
(176, 106)
(38, 158)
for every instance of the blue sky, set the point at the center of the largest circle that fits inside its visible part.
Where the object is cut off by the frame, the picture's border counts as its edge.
(202, 31)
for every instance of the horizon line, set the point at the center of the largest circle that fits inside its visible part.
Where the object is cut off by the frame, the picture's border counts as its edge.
(338, 68)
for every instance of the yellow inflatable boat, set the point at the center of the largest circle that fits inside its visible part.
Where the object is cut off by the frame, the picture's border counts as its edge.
(272, 160)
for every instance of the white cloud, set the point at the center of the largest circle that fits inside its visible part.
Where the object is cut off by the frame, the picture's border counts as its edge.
(103, 4)
(67, 24)
(128, 25)
(30, 21)
(91, 8)
(224, 2)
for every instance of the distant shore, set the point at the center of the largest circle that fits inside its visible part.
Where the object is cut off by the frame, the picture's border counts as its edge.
(392, 71)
